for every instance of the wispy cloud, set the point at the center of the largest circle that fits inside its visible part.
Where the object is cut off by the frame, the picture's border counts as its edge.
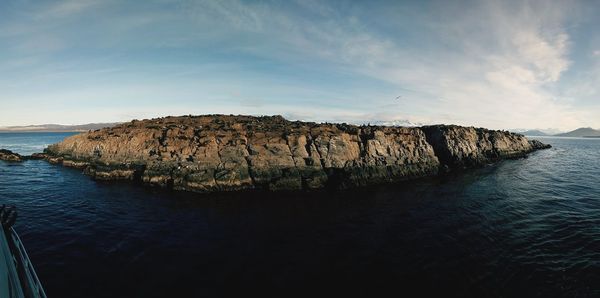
(504, 81)
(67, 8)
(484, 63)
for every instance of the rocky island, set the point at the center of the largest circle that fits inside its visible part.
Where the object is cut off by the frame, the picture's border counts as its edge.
(225, 152)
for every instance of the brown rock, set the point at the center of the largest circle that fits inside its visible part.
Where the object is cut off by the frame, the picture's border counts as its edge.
(465, 147)
(224, 153)
(8, 155)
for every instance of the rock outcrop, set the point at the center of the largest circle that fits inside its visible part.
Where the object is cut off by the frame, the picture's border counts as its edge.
(8, 155)
(224, 153)
(537, 145)
(466, 147)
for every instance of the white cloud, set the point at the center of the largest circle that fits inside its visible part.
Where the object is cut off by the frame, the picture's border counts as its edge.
(484, 63)
(500, 84)
(507, 86)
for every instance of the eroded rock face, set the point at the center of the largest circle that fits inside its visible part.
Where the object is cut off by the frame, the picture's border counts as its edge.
(537, 145)
(465, 147)
(224, 153)
(215, 153)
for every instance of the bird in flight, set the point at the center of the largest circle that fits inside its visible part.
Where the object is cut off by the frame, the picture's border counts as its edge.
(398, 97)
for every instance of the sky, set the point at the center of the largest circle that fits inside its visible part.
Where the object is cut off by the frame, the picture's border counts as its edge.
(496, 64)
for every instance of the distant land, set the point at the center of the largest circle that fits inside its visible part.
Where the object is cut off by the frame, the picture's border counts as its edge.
(534, 133)
(537, 131)
(56, 127)
(584, 132)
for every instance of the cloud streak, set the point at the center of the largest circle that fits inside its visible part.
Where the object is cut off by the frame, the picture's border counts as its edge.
(483, 63)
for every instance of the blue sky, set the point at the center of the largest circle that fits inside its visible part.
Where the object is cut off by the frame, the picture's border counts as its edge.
(497, 64)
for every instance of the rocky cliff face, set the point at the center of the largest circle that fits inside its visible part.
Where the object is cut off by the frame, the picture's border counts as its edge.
(222, 153)
(465, 147)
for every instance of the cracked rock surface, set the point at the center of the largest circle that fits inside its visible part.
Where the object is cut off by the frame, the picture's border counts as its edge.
(224, 153)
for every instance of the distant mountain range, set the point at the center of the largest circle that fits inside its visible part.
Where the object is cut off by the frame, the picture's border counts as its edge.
(56, 127)
(584, 132)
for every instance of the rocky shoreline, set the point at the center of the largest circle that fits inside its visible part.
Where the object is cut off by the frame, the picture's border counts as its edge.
(226, 153)
(8, 155)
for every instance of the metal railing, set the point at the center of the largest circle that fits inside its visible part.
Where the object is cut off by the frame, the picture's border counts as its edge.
(32, 287)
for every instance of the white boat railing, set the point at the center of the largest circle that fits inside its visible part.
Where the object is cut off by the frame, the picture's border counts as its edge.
(33, 286)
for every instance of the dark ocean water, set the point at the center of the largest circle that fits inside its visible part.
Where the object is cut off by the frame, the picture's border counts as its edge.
(526, 228)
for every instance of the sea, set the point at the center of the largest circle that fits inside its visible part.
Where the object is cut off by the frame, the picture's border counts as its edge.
(528, 227)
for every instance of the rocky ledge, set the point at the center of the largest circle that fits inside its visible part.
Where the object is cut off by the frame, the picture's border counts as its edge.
(8, 155)
(224, 153)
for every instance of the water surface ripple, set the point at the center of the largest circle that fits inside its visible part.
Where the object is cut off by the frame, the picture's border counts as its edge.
(527, 227)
